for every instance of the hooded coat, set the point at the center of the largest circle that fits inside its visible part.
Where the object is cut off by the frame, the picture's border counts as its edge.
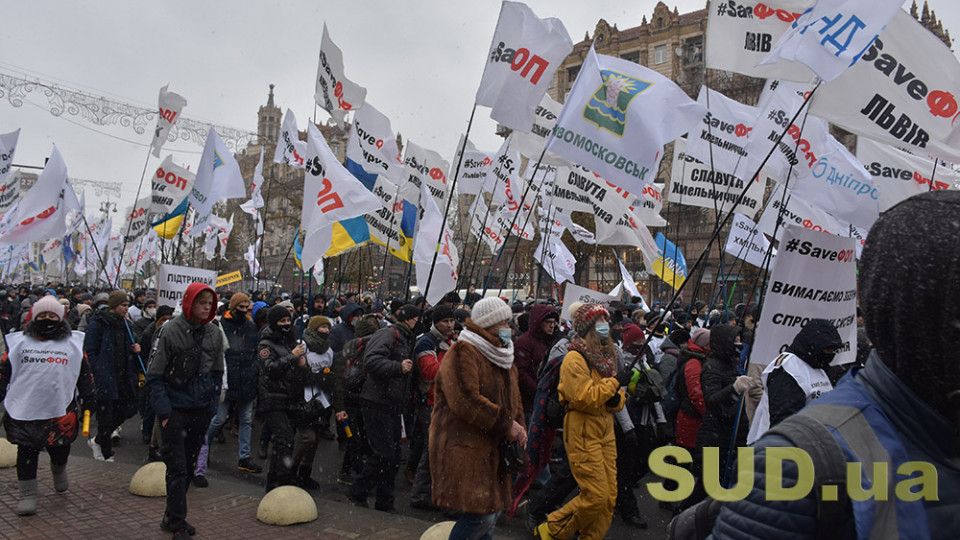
(114, 368)
(784, 395)
(240, 357)
(476, 404)
(344, 331)
(281, 379)
(530, 352)
(175, 341)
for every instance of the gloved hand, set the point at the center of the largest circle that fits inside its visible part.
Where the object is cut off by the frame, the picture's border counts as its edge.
(756, 392)
(630, 438)
(743, 383)
(624, 375)
(614, 401)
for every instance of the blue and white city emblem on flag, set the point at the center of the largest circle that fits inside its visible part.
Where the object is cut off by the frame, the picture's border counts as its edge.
(217, 160)
(607, 107)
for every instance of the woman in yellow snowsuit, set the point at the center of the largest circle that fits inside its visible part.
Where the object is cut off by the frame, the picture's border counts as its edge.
(590, 388)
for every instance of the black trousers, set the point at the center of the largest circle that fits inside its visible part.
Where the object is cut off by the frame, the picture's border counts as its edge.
(552, 496)
(380, 470)
(355, 448)
(28, 458)
(110, 415)
(182, 438)
(280, 472)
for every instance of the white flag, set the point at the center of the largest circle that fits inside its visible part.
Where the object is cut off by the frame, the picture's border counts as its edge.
(741, 33)
(628, 283)
(169, 186)
(137, 222)
(899, 175)
(170, 107)
(41, 213)
(290, 149)
(224, 236)
(796, 211)
(335, 93)
(373, 145)
(218, 177)
(832, 35)
(255, 203)
(746, 243)
(483, 226)
(444, 277)
(693, 183)
(524, 54)
(617, 118)
(556, 259)
(8, 146)
(722, 137)
(423, 166)
(903, 92)
(533, 143)
(330, 192)
(251, 257)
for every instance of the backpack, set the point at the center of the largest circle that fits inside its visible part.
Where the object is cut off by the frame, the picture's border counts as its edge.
(354, 374)
(829, 466)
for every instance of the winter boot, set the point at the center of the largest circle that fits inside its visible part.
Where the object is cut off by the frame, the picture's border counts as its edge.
(304, 480)
(60, 481)
(28, 498)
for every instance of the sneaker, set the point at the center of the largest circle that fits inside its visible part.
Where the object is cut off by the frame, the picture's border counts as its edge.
(248, 465)
(153, 454)
(182, 534)
(115, 436)
(357, 501)
(308, 483)
(97, 452)
(262, 452)
(543, 532)
(201, 481)
(165, 526)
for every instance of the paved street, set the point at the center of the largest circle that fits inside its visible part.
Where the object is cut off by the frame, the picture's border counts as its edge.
(99, 503)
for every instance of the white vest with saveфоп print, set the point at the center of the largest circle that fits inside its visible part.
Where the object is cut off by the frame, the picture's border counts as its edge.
(812, 381)
(44, 375)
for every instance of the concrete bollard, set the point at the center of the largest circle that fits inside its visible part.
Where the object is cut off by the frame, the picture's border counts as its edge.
(287, 505)
(150, 480)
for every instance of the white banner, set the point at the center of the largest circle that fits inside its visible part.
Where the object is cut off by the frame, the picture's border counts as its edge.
(169, 186)
(524, 54)
(532, 144)
(429, 256)
(218, 177)
(797, 212)
(779, 101)
(474, 171)
(903, 92)
(10, 192)
(171, 105)
(724, 131)
(740, 34)
(335, 93)
(41, 213)
(483, 226)
(693, 183)
(617, 118)
(373, 145)
(815, 277)
(290, 149)
(575, 293)
(830, 36)
(173, 281)
(899, 175)
(424, 166)
(385, 222)
(648, 205)
(746, 243)
(137, 222)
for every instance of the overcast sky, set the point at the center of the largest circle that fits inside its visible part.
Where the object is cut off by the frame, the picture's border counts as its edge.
(421, 62)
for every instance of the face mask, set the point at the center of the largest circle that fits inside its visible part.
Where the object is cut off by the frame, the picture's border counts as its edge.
(738, 347)
(46, 328)
(284, 328)
(150, 312)
(505, 335)
(603, 330)
(822, 359)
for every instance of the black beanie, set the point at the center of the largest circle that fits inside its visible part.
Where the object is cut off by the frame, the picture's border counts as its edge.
(909, 285)
(275, 314)
(442, 312)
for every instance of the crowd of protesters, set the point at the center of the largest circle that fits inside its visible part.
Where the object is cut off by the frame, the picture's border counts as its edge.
(528, 408)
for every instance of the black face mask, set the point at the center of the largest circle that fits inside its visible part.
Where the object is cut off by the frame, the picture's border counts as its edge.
(47, 328)
(617, 335)
(284, 328)
(822, 359)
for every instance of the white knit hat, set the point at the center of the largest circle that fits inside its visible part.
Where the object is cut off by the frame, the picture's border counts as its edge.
(45, 304)
(490, 311)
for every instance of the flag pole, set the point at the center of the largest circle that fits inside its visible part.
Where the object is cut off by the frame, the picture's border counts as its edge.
(450, 195)
(130, 225)
(263, 221)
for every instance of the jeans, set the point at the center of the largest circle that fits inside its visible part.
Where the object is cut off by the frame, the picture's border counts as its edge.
(474, 527)
(245, 413)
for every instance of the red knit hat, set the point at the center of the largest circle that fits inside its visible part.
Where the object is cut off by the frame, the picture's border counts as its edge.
(632, 334)
(586, 316)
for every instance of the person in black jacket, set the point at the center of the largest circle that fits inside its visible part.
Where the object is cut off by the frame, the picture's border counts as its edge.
(184, 376)
(344, 331)
(242, 371)
(283, 368)
(388, 361)
(722, 387)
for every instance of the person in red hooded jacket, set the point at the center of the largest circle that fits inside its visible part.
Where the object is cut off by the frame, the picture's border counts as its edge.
(530, 352)
(184, 377)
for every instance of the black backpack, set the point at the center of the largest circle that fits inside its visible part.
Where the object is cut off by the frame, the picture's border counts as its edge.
(354, 374)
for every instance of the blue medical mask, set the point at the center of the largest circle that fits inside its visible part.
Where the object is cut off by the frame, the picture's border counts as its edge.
(603, 330)
(505, 335)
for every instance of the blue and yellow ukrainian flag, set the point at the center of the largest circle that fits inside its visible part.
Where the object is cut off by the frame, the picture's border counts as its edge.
(169, 225)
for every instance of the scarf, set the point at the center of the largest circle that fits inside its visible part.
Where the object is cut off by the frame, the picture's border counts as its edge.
(443, 342)
(502, 357)
(605, 363)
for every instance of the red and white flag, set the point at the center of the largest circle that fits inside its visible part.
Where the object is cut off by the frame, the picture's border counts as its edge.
(171, 105)
(335, 93)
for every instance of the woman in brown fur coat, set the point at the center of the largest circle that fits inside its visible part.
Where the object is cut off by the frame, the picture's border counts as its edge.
(477, 405)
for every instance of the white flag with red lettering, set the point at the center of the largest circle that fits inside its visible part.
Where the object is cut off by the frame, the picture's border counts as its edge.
(290, 149)
(373, 145)
(169, 186)
(330, 192)
(255, 203)
(41, 213)
(171, 105)
(335, 93)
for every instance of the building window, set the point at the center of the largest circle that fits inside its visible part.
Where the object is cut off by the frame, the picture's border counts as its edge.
(335, 148)
(693, 50)
(632, 56)
(572, 73)
(659, 54)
